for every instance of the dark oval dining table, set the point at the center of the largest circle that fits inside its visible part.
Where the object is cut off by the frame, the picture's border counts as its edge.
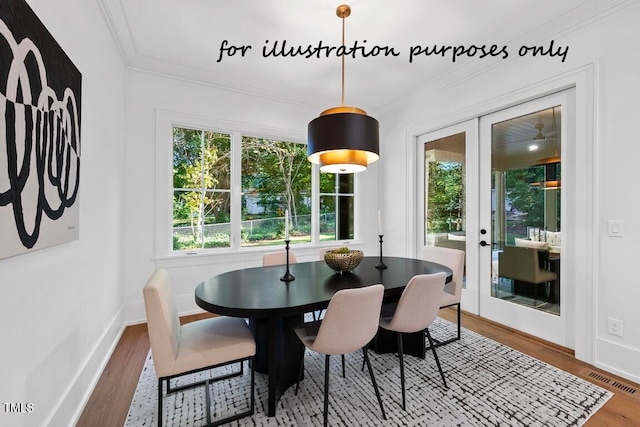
(274, 307)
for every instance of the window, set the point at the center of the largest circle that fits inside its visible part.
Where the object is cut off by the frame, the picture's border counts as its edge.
(336, 206)
(201, 189)
(229, 190)
(276, 177)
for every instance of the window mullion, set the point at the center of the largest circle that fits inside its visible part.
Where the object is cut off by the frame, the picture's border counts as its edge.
(315, 204)
(357, 206)
(336, 191)
(236, 190)
(202, 189)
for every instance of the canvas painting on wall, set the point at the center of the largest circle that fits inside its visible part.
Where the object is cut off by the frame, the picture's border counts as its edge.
(39, 135)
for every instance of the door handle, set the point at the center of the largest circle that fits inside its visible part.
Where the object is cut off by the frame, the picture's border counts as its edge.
(483, 243)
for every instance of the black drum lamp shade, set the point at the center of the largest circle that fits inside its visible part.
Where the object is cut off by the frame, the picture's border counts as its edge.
(343, 139)
(343, 142)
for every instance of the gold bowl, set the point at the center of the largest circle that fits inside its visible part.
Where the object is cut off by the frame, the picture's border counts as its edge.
(342, 262)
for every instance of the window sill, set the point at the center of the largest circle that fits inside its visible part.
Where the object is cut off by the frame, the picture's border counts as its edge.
(250, 255)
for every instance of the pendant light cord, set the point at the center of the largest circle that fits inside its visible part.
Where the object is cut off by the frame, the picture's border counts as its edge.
(343, 25)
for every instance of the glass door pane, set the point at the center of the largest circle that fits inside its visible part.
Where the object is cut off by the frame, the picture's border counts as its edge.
(447, 187)
(444, 198)
(526, 166)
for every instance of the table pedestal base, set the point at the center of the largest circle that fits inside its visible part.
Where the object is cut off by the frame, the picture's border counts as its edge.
(387, 342)
(278, 352)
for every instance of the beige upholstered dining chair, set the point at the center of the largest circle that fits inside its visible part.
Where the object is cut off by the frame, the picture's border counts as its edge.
(523, 264)
(197, 346)
(452, 295)
(350, 323)
(417, 309)
(278, 258)
(317, 315)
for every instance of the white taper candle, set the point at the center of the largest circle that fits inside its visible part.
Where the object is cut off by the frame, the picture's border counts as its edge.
(286, 224)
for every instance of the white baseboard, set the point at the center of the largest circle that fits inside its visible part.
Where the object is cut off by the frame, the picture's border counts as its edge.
(69, 407)
(618, 359)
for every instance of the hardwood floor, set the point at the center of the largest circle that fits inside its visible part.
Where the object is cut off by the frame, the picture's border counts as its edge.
(109, 403)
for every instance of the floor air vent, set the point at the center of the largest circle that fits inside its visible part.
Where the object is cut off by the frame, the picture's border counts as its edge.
(612, 382)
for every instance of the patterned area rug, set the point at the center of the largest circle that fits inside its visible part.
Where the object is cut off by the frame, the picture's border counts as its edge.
(489, 385)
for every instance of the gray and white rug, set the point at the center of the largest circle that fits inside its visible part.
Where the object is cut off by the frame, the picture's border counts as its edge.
(489, 385)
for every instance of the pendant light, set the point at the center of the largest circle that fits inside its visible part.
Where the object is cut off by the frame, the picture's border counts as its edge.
(343, 139)
(551, 164)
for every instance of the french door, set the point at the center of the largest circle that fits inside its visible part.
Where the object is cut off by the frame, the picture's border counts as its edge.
(494, 187)
(523, 197)
(447, 198)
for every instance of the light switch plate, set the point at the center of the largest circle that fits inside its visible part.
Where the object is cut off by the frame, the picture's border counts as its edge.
(614, 228)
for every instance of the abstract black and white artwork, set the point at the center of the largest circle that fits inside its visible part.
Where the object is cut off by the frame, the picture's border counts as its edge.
(39, 135)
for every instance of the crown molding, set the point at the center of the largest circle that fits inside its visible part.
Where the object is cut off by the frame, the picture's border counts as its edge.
(116, 20)
(561, 25)
(571, 20)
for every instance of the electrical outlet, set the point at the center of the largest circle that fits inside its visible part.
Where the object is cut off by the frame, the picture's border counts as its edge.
(614, 327)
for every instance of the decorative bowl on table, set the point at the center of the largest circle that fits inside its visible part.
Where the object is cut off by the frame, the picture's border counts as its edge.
(343, 259)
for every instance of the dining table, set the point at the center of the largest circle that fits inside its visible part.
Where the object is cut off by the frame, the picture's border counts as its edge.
(274, 307)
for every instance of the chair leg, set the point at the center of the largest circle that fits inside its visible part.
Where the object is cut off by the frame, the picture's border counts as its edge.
(300, 369)
(435, 356)
(326, 388)
(253, 387)
(373, 380)
(207, 395)
(459, 322)
(206, 384)
(438, 343)
(363, 359)
(344, 375)
(159, 402)
(401, 357)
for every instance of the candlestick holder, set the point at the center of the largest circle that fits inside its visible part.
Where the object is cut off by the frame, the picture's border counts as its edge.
(381, 265)
(288, 277)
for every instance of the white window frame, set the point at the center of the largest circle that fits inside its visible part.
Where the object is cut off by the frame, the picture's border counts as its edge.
(165, 122)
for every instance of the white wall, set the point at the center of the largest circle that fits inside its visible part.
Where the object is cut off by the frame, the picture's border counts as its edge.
(146, 94)
(60, 308)
(607, 49)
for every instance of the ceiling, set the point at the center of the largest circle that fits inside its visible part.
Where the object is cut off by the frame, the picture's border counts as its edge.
(527, 140)
(512, 141)
(183, 39)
